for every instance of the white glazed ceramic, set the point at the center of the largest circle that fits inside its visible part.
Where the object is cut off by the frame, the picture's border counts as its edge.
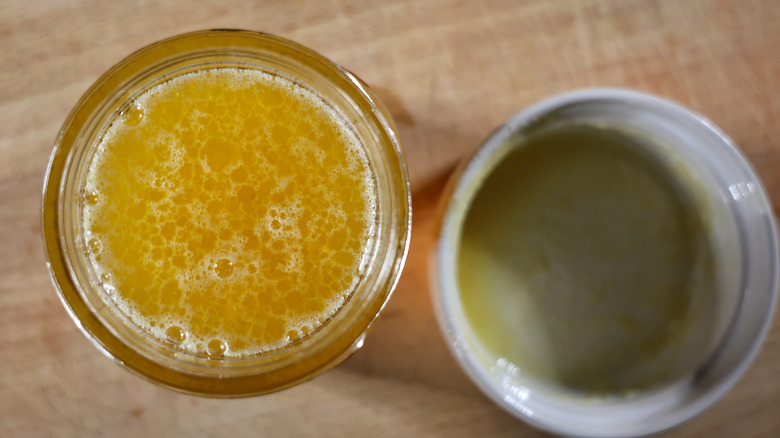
(745, 240)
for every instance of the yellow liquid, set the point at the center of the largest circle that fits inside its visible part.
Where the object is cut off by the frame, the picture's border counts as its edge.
(584, 262)
(229, 212)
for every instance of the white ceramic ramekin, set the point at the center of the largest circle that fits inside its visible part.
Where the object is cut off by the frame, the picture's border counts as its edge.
(747, 253)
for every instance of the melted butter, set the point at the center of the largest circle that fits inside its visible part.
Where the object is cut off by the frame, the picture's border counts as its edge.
(585, 263)
(228, 210)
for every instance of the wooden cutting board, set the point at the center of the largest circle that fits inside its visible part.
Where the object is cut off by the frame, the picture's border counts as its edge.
(450, 72)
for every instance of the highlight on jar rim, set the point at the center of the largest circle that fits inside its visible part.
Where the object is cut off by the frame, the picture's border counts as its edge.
(606, 264)
(226, 213)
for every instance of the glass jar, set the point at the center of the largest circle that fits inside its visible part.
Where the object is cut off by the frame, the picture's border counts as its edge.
(163, 363)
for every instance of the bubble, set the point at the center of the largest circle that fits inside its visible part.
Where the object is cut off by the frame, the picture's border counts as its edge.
(94, 246)
(216, 347)
(106, 277)
(91, 197)
(292, 336)
(133, 115)
(175, 334)
(223, 268)
(275, 224)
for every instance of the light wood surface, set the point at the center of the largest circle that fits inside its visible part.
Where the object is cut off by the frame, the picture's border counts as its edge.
(450, 71)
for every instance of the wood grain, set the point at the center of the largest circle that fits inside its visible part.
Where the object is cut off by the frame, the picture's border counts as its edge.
(450, 71)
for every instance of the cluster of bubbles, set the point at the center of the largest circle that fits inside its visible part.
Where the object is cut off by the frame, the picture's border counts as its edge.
(229, 211)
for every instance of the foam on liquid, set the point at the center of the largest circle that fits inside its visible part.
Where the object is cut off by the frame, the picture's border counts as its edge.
(229, 211)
